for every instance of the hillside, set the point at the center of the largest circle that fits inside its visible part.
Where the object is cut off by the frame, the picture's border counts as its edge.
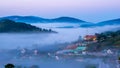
(112, 37)
(11, 26)
(106, 40)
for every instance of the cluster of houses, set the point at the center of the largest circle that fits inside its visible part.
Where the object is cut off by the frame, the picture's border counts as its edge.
(79, 46)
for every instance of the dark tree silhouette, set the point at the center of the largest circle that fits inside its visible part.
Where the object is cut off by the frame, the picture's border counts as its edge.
(119, 58)
(9, 66)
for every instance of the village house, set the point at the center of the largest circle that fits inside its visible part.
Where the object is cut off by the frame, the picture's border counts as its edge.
(90, 38)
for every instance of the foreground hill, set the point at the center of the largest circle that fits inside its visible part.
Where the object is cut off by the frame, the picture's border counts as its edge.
(106, 40)
(11, 26)
(112, 37)
(34, 19)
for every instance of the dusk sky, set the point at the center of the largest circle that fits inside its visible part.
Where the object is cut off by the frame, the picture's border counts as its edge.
(88, 10)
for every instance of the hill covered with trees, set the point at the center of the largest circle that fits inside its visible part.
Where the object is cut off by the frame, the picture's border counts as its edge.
(112, 38)
(106, 40)
(11, 26)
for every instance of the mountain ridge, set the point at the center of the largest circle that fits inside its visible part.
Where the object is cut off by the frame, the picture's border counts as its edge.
(110, 22)
(103, 23)
(35, 19)
(63, 19)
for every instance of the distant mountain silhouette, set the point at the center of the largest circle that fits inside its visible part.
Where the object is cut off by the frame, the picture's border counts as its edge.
(67, 19)
(34, 19)
(104, 23)
(11, 26)
(26, 19)
(109, 22)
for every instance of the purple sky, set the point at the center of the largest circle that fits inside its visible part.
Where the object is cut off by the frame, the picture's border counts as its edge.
(88, 10)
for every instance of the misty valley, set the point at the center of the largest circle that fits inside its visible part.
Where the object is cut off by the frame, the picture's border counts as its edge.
(59, 33)
(32, 42)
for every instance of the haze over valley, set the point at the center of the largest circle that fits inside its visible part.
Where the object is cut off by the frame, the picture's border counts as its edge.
(66, 31)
